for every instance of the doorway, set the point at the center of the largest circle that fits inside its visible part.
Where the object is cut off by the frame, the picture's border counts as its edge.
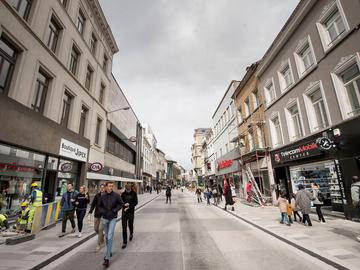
(49, 186)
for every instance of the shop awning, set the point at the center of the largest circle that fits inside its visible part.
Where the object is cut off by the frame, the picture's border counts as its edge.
(105, 177)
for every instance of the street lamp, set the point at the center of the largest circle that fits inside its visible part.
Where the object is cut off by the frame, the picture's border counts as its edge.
(120, 109)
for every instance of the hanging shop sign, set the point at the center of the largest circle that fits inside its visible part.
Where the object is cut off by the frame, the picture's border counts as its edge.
(96, 167)
(73, 150)
(225, 164)
(309, 149)
(66, 167)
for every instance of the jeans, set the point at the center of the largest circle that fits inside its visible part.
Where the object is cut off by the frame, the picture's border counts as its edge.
(168, 198)
(208, 199)
(99, 229)
(306, 218)
(319, 212)
(127, 219)
(65, 216)
(109, 228)
(285, 218)
(80, 214)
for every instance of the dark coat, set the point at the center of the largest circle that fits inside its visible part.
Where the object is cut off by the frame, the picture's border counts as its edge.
(95, 206)
(110, 204)
(228, 196)
(130, 198)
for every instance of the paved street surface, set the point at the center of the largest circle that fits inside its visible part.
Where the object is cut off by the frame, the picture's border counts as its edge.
(188, 235)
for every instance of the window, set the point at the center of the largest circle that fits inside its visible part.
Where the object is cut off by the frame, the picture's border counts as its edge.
(8, 55)
(41, 88)
(52, 36)
(83, 117)
(98, 129)
(294, 121)
(105, 63)
(239, 115)
(275, 129)
(67, 100)
(285, 77)
(250, 141)
(316, 108)
(22, 7)
(89, 74)
(332, 25)
(247, 107)
(259, 137)
(269, 92)
(93, 43)
(102, 93)
(74, 59)
(80, 22)
(304, 57)
(255, 98)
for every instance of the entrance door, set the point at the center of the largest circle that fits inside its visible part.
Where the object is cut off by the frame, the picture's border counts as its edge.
(49, 187)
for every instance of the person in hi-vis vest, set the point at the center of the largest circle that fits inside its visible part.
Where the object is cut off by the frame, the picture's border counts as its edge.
(36, 200)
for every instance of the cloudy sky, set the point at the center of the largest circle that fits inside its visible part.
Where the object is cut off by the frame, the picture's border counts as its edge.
(177, 57)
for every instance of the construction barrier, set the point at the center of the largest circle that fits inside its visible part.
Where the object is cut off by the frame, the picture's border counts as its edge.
(46, 215)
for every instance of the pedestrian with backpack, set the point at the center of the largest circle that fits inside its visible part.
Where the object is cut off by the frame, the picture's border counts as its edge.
(168, 194)
(318, 200)
(355, 195)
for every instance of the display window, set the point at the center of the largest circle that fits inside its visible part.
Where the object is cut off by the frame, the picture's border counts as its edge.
(322, 173)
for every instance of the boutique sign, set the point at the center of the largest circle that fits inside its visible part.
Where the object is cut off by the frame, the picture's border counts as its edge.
(72, 150)
(309, 149)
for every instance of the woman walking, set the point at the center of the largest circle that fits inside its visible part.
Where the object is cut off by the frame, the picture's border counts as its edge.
(318, 201)
(198, 195)
(294, 208)
(207, 193)
(130, 200)
(228, 195)
(81, 201)
(303, 202)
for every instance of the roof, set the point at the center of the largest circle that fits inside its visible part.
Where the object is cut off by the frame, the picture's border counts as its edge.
(250, 70)
(228, 89)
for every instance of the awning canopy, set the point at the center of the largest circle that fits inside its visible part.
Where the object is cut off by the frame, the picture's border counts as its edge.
(105, 177)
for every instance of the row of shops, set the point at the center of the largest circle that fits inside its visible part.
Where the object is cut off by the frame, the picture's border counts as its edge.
(329, 158)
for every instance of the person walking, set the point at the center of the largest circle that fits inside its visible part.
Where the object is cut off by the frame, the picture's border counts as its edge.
(294, 208)
(82, 199)
(303, 202)
(355, 195)
(228, 195)
(110, 204)
(168, 194)
(68, 209)
(283, 203)
(318, 200)
(198, 195)
(98, 226)
(221, 192)
(215, 195)
(207, 193)
(130, 200)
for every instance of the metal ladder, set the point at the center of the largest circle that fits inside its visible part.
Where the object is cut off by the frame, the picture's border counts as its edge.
(255, 188)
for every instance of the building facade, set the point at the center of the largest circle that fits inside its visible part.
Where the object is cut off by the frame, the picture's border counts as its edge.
(56, 70)
(197, 155)
(310, 80)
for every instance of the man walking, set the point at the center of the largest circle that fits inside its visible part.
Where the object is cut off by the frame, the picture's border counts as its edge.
(355, 195)
(68, 209)
(303, 201)
(109, 204)
(98, 226)
(168, 194)
(130, 200)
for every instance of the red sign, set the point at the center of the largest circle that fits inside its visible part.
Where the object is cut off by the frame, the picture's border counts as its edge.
(225, 164)
(14, 167)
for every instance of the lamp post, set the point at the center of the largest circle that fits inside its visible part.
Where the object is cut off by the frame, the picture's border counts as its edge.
(120, 109)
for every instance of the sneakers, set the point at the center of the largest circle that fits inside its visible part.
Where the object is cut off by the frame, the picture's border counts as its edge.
(131, 237)
(106, 263)
(123, 246)
(73, 230)
(79, 235)
(358, 238)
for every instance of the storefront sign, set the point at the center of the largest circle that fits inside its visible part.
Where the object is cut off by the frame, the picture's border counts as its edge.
(96, 167)
(72, 150)
(14, 167)
(66, 167)
(225, 164)
(309, 149)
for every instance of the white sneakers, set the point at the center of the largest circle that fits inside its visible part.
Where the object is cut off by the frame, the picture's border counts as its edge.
(79, 235)
(358, 238)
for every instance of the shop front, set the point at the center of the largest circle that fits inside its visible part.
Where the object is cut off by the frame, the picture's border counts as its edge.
(329, 159)
(229, 165)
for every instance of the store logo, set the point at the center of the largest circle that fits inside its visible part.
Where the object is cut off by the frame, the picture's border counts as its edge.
(66, 167)
(72, 150)
(225, 164)
(324, 143)
(96, 167)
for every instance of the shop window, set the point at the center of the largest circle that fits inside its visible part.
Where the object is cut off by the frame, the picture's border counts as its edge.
(294, 121)
(41, 89)
(304, 57)
(276, 130)
(53, 34)
(286, 78)
(67, 102)
(8, 56)
(269, 91)
(22, 7)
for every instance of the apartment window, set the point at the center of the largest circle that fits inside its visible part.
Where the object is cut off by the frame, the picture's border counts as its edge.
(53, 34)
(88, 78)
(41, 88)
(80, 22)
(294, 122)
(269, 92)
(316, 109)
(74, 59)
(255, 98)
(304, 57)
(67, 100)
(239, 115)
(250, 141)
(247, 107)
(275, 129)
(105, 63)
(97, 131)
(102, 93)
(22, 7)
(332, 25)
(8, 55)
(93, 43)
(83, 118)
(285, 77)
(259, 137)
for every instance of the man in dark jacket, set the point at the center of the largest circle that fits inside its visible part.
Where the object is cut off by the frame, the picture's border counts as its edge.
(130, 200)
(98, 227)
(168, 194)
(109, 205)
(68, 209)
